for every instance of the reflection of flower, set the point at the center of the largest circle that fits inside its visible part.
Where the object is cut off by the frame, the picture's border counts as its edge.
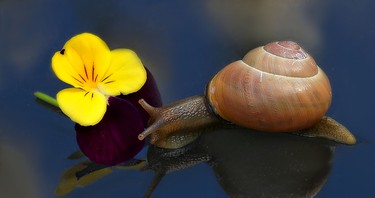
(107, 126)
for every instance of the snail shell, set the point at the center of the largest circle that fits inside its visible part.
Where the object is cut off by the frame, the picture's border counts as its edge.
(277, 88)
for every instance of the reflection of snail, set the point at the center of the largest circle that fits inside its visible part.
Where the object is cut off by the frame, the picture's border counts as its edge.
(265, 165)
(276, 88)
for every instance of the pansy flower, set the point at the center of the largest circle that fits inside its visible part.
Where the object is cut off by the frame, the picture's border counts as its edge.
(103, 101)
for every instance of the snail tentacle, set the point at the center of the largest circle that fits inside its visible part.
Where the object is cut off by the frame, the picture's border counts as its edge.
(179, 121)
(154, 113)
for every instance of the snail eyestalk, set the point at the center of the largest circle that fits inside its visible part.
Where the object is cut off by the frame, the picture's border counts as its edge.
(154, 113)
(150, 130)
(174, 121)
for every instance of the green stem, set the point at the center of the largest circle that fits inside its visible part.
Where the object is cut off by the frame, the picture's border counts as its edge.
(46, 98)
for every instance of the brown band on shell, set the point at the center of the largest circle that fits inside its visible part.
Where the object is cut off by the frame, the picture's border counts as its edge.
(285, 58)
(286, 49)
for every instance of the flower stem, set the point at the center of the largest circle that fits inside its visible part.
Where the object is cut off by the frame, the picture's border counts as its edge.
(46, 98)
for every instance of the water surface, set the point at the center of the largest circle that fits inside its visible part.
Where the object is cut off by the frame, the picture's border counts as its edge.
(183, 44)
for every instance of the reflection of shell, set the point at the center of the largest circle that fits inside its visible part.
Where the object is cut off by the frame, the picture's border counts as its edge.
(268, 164)
(271, 93)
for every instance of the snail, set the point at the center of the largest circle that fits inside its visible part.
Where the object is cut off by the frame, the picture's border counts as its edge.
(274, 88)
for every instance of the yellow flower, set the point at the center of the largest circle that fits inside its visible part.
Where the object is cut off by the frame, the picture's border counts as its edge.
(95, 72)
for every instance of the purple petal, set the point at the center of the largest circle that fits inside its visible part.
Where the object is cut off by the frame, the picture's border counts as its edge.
(115, 138)
(148, 92)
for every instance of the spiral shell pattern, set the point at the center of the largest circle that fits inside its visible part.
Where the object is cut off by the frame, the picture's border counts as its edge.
(277, 87)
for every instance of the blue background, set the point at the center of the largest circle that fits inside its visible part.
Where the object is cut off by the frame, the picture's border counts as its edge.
(183, 43)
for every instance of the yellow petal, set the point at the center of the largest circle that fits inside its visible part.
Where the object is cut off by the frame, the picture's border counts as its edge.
(65, 71)
(125, 75)
(85, 57)
(84, 108)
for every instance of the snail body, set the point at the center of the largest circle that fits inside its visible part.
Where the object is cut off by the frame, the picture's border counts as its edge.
(275, 88)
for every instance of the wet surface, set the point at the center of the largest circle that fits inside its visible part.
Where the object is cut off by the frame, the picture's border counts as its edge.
(184, 44)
